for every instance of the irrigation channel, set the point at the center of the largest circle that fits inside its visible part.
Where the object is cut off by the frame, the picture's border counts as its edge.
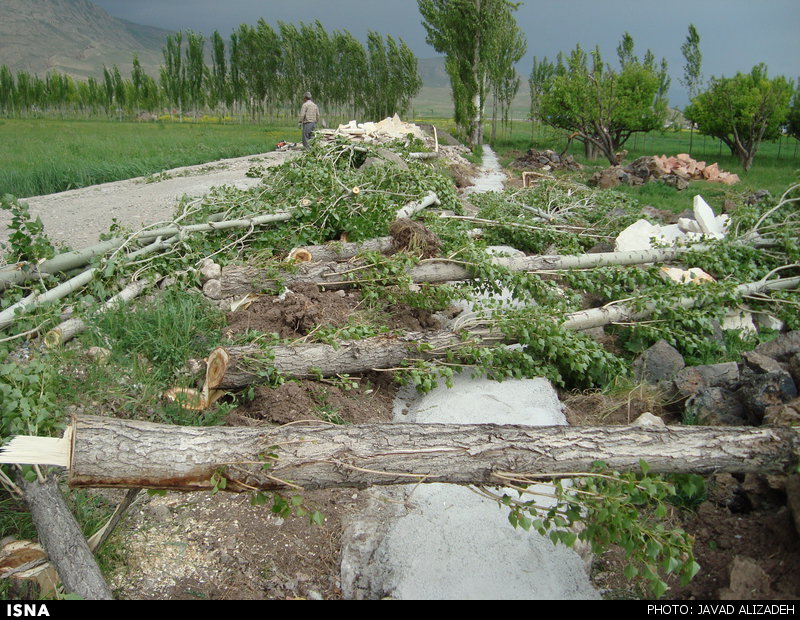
(439, 541)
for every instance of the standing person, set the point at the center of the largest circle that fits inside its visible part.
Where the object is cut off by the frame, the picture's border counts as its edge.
(309, 117)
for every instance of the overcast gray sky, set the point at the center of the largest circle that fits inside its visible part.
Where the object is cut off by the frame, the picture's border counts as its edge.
(735, 34)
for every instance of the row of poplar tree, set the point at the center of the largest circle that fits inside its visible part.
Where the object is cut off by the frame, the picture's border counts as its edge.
(259, 71)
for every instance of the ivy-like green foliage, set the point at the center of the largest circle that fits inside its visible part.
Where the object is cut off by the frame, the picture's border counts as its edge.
(624, 509)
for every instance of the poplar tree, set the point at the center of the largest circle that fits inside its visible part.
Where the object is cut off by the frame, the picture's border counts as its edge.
(466, 31)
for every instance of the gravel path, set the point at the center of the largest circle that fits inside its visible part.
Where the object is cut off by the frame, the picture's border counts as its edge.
(77, 217)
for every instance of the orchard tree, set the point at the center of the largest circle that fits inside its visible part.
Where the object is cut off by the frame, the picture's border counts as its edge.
(743, 111)
(602, 107)
(793, 125)
(467, 32)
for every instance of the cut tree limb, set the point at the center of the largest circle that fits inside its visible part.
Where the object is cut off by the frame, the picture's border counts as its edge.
(232, 368)
(62, 539)
(108, 452)
(415, 207)
(68, 329)
(16, 274)
(237, 280)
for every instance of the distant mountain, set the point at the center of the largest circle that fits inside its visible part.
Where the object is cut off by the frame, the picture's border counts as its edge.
(75, 37)
(432, 72)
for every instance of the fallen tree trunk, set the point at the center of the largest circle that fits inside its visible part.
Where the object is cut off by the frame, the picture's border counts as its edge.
(232, 368)
(63, 541)
(338, 251)
(238, 280)
(608, 314)
(108, 452)
(415, 207)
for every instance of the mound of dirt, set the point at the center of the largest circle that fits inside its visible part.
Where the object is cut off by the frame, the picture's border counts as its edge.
(412, 237)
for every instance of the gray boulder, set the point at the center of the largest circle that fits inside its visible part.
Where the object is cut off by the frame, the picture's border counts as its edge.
(717, 406)
(760, 391)
(691, 378)
(661, 362)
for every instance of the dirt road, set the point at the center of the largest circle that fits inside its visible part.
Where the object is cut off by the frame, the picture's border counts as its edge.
(77, 217)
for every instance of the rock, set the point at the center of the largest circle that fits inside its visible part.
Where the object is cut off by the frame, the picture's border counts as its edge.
(748, 582)
(676, 181)
(689, 225)
(208, 270)
(392, 157)
(767, 321)
(648, 419)
(605, 179)
(636, 236)
(661, 362)
(711, 172)
(692, 378)
(705, 217)
(760, 391)
(794, 368)
(787, 414)
(695, 275)
(741, 321)
(782, 348)
(793, 499)
(503, 250)
(600, 247)
(100, 355)
(717, 406)
(761, 363)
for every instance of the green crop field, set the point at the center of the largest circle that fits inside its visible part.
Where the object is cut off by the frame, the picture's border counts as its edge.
(43, 156)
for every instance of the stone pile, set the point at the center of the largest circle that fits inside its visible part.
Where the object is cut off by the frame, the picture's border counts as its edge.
(759, 389)
(389, 129)
(545, 160)
(674, 171)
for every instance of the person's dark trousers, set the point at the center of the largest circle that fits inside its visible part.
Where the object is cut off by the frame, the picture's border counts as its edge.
(308, 131)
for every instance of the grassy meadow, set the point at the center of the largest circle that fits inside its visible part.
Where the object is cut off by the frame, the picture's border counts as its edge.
(42, 156)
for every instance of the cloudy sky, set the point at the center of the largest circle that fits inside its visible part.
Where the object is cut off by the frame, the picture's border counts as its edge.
(735, 34)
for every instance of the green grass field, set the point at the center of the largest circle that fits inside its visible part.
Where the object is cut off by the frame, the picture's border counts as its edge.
(40, 156)
(46, 156)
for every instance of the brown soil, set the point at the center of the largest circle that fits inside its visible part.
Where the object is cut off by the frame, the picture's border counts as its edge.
(196, 546)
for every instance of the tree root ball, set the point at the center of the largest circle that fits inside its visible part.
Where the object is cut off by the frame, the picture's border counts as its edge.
(410, 236)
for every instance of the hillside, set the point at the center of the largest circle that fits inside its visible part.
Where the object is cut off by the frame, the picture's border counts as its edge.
(74, 37)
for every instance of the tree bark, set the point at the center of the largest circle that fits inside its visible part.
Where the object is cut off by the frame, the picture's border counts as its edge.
(337, 251)
(64, 542)
(109, 452)
(231, 368)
